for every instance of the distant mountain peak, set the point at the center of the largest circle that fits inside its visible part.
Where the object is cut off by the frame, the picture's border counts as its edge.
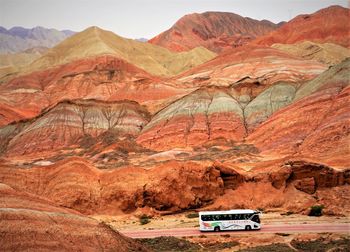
(17, 38)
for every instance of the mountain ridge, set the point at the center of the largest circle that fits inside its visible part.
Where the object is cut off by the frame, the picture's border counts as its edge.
(95, 41)
(330, 24)
(17, 38)
(213, 30)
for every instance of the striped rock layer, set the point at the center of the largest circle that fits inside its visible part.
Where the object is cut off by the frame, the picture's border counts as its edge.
(66, 123)
(284, 117)
(102, 78)
(251, 67)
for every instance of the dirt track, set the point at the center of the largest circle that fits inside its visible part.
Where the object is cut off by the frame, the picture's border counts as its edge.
(287, 228)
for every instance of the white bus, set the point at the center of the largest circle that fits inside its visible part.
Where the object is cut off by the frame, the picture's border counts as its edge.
(229, 220)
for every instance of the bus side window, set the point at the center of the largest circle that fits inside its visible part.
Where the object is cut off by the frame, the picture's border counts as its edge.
(206, 217)
(234, 217)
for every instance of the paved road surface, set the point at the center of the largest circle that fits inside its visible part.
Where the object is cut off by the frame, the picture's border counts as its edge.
(286, 228)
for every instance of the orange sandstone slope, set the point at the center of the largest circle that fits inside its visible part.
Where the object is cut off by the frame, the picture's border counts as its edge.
(316, 124)
(285, 118)
(331, 24)
(30, 223)
(214, 30)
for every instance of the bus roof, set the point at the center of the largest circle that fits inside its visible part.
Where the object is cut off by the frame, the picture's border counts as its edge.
(234, 211)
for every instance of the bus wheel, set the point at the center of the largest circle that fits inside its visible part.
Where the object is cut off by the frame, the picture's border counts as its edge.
(217, 229)
(248, 227)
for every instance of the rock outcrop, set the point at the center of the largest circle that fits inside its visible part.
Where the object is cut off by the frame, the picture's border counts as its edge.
(293, 185)
(326, 25)
(214, 30)
(30, 223)
(77, 184)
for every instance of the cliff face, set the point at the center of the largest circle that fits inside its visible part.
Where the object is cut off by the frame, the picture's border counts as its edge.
(77, 184)
(216, 31)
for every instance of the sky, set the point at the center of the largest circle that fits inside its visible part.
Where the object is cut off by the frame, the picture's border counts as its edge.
(141, 18)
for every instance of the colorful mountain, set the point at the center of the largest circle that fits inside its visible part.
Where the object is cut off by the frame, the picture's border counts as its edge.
(215, 31)
(95, 41)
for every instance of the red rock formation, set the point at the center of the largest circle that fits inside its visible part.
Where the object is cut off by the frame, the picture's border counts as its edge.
(31, 223)
(306, 185)
(231, 113)
(77, 184)
(213, 30)
(326, 25)
(289, 187)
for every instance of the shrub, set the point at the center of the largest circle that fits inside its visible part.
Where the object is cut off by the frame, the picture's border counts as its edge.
(316, 210)
(144, 219)
(192, 215)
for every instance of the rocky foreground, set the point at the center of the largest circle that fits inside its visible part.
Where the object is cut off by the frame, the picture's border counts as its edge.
(29, 222)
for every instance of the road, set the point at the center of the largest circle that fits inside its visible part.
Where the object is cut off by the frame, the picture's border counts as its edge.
(286, 228)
